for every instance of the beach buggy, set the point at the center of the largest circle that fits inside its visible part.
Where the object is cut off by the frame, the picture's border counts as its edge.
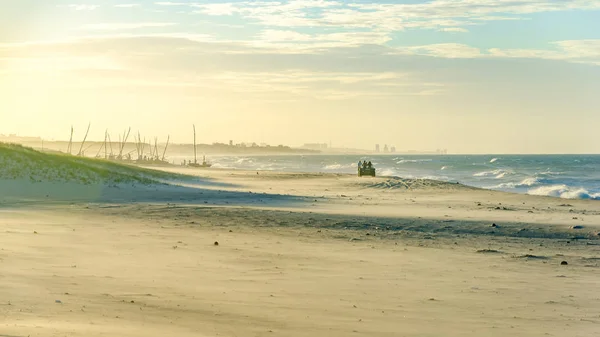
(365, 169)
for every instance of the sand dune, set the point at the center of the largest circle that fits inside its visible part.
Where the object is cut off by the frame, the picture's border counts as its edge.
(298, 255)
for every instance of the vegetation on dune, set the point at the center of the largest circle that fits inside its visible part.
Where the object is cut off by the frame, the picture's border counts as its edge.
(19, 162)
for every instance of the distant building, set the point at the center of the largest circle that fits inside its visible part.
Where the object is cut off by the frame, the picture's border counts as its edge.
(376, 147)
(386, 149)
(16, 138)
(393, 149)
(316, 146)
(231, 143)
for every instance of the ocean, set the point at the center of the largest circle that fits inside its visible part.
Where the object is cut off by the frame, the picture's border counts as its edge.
(564, 176)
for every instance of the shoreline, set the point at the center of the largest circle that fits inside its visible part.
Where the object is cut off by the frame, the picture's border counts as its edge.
(174, 169)
(332, 193)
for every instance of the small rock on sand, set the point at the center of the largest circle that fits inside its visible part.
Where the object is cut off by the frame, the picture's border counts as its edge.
(577, 227)
(216, 243)
(564, 263)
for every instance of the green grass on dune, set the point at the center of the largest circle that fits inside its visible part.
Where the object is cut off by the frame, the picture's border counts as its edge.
(19, 162)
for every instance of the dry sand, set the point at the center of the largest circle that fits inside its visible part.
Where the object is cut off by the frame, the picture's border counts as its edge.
(301, 255)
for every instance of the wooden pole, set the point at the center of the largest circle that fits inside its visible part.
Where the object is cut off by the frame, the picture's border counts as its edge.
(126, 136)
(100, 150)
(155, 148)
(105, 149)
(110, 143)
(69, 149)
(84, 139)
(195, 157)
(166, 146)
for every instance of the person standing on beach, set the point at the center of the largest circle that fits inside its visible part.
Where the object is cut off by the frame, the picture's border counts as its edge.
(359, 163)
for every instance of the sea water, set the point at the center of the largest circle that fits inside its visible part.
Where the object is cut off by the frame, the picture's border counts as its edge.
(565, 176)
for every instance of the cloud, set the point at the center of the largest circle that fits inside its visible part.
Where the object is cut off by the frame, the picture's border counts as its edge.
(217, 9)
(83, 7)
(437, 14)
(581, 48)
(445, 50)
(345, 66)
(51, 64)
(576, 51)
(454, 30)
(126, 26)
(179, 62)
(168, 3)
(292, 40)
(127, 5)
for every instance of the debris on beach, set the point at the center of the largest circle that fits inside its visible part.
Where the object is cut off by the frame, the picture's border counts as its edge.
(532, 257)
(489, 251)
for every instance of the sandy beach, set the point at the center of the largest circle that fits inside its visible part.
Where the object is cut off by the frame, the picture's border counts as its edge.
(297, 255)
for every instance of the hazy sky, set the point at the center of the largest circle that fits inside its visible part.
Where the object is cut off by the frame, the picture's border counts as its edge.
(473, 76)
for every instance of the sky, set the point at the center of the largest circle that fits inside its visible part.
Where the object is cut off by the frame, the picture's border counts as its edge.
(471, 76)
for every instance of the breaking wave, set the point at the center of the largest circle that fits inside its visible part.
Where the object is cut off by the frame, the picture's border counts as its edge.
(244, 161)
(494, 160)
(565, 192)
(548, 173)
(527, 182)
(498, 174)
(404, 161)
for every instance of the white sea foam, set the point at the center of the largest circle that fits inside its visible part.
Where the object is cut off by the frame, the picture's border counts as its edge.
(527, 182)
(498, 174)
(565, 192)
(336, 167)
(387, 172)
(494, 160)
(549, 173)
(501, 175)
(221, 166)
(404, 161)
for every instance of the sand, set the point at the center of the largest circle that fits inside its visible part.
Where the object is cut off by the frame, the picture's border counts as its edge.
(298, 255)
